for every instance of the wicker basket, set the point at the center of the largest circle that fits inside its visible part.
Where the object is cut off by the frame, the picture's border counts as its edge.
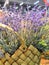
(22, 56)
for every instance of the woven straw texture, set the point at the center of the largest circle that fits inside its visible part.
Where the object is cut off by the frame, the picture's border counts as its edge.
(30, 57)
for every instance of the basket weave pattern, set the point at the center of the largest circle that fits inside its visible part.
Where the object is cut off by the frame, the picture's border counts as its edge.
(30, 57)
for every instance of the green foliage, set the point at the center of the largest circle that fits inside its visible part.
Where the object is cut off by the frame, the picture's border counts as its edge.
(40, 38)
(9, 40)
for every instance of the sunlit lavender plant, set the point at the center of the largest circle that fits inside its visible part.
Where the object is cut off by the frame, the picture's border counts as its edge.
(25, 24)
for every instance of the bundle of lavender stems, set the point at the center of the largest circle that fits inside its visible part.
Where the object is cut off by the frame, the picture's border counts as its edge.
(23, 22)
(18, 20)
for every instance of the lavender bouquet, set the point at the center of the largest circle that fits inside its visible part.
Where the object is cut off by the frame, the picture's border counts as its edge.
(28, 25)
